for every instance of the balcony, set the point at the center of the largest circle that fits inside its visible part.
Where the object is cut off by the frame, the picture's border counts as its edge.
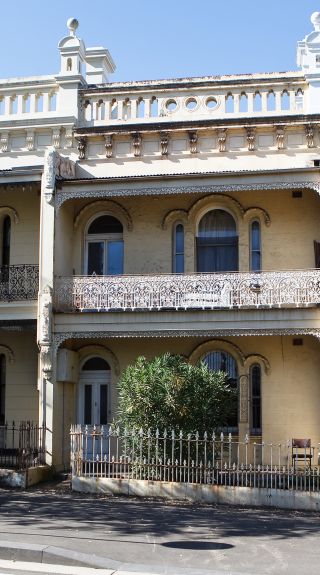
(186, 292)
(19, 283)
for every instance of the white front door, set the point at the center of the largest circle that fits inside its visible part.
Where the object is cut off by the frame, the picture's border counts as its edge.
(94, 397)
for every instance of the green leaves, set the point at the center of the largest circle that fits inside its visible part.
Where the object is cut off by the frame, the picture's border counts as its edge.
(169, 393)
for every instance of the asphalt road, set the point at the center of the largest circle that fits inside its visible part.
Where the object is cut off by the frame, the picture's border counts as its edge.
(162, 536)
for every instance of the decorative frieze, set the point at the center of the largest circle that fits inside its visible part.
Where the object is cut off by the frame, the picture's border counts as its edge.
(164, 143)
(108, 144)
(136, 143)
(280, 133)
(81, 147)
(118, 191)
(251, 139)
(60, 338)
(222, 139)
(193, 140)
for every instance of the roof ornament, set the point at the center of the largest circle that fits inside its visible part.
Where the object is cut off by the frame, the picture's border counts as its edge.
(72, 25)
(315, 20)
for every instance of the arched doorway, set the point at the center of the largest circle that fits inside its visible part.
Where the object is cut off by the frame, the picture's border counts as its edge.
(94, 392)
(217, 242)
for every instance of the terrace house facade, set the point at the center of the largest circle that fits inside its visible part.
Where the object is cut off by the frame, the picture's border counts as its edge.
(145, 217)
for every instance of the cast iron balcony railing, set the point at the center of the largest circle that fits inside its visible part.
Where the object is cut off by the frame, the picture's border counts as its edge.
(198, 291)
(19, 283)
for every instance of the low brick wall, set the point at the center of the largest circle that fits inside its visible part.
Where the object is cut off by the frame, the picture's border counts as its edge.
(246, 496)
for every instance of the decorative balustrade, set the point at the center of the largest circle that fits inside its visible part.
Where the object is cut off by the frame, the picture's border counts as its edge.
(19, 282)
(258, 96)
(198, 291)
(26, 98)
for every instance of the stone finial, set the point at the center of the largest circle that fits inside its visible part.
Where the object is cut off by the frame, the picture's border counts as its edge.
(72, 25)
(315, 20)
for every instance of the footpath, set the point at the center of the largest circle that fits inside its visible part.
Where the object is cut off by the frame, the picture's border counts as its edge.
(49, 524)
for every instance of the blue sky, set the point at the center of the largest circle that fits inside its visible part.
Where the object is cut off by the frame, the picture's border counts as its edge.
(153, 40)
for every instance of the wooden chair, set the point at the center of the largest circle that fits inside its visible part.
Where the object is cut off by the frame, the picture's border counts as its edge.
(302, 451)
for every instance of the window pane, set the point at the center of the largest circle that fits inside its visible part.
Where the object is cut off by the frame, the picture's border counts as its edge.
(95, 258)
(255, 261)
(115, 258)
(179, 239)
(256, 399)
(103, 404)
(105, 225)
(179, 264)
(87, 405)
(96, 363)
(255, 236)
(223, 361)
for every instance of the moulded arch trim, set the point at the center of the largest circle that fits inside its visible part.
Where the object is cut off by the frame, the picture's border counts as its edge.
(88, 351)
(7, 352)
(256, 358)
(217, 345)
(256, 211)
(9, 211)
(226, 202)
(174, 216)
(109, 206)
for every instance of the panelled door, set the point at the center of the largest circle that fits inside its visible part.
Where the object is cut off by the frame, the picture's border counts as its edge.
(93, 397)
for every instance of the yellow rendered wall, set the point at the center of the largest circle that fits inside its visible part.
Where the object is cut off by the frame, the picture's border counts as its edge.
(287, 243)
(24, 245)
(22, 398)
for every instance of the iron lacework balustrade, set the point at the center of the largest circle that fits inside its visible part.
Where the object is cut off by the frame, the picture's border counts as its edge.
(177, 457)
(198, 291)
(19, 282)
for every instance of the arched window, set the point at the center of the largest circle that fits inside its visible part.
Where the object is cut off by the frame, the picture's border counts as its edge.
(223, 361)
(178, 249)
(94, 382)
(217, 243)
(255, 246)
(255, 385)
(6, 236)
(2, 390)
(104, 246)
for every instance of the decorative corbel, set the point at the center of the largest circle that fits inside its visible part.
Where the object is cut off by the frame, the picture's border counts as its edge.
(4, 141)
(164, 142)
(280, 132)
(49, 173)
(30, 140)
(56, 142)
(222, 139)
(193, 140)
(108, 144)
(69, 138)
(309, 130)
(81, 147)
(136, 142)
(251, 138)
